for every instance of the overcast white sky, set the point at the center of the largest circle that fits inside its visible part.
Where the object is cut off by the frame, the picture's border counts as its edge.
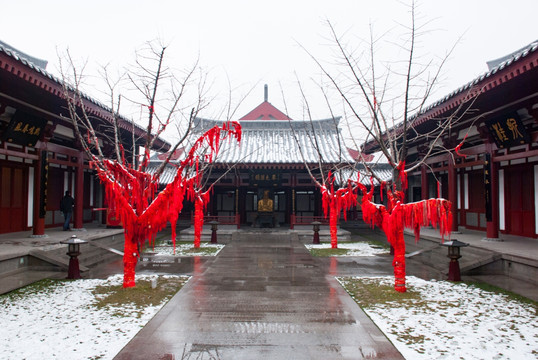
(253, 42)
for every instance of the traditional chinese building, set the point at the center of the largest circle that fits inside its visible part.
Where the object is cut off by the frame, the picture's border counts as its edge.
(40, 157)
(493, 181)
(274, 156)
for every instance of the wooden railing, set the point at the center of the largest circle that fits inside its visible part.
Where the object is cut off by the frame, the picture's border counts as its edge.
(307, 220)
(222, 220)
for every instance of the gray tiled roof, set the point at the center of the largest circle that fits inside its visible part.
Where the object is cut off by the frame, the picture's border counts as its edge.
(444, 104)
(282, 142)
(25, 58)
(168, 174)
(495, 66)
(39, 66)
(382, 171)
(274, 142)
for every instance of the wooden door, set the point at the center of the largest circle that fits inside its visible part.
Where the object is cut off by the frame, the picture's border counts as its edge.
(13, 199)
(519, 200)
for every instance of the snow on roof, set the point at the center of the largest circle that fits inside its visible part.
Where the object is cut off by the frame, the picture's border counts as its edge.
(39, 65)
(22, 56)
(494, 67)
(484, 82)
(382, 171)
(282, 142)
(492, 64)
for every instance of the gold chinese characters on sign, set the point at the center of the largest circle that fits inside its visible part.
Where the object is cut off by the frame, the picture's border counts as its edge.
(265, 178)
(508, 131)
(487, 186)
(24, 129)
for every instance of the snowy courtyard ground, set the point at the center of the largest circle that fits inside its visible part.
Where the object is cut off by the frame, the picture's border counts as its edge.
(448, 321)
(454, 321)
(61, 321)
(187, 249)
(354, 248)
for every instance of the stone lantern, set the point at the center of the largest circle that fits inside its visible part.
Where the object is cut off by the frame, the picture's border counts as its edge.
(316, 225)
(454, 254)
(214, 226)
(73, 250)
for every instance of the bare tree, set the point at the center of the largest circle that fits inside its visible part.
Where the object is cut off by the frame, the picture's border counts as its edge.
(333, 170)
(383, 99)
(130, 189)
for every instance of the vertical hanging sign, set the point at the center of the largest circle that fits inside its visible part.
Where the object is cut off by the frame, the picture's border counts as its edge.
(487, 186)
(43, 184)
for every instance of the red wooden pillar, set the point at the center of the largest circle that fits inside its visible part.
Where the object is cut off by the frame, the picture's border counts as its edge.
(492, 227)
(453, 192)
(424, 183)
(292, 215)
(79, 193)
(38, 228)
(237, 213)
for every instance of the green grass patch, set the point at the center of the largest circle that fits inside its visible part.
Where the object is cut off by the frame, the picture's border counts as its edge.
(369, 293)
(165, 241)
(138, 297)
(379, 244)
(328, 252)
(40, 287)
(372, 237)
(498, 290)
(202, 251)
(375, 241)
(187, 248)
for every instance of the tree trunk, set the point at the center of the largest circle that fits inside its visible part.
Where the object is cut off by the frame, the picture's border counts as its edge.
(198, 221)
(333, 223)
(399, 261)
(130, 258)
(173, 224)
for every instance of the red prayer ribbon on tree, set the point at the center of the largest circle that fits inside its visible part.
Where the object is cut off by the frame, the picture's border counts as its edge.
(335, 201)
(143, 212)
(396, 215)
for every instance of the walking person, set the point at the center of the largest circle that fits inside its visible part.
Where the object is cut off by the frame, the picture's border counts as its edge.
(66, 206)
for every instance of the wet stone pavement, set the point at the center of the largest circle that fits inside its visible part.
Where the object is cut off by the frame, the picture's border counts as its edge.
(262, 297)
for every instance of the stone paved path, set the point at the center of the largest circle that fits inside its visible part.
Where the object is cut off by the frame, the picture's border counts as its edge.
(262, 297)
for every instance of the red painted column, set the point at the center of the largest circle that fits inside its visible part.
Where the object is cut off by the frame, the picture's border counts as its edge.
(492, 227)
(79, 193)
(240, 208)
(424, 182)
(452, 192)
(38, 228)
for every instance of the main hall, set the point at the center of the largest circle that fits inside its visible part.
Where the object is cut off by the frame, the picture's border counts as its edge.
(278, 157)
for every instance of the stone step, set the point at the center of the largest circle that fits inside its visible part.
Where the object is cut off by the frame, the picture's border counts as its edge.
(26, 277)
(480, 262)
(52, 257)
(474, 260)
(96, 251)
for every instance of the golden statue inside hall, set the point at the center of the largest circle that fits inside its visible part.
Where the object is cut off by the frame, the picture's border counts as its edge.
(265, 204)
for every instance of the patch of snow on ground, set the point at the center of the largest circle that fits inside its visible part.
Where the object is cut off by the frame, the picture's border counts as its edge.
(61, 323)
(355, 248)
(458, 321)
(186, 249)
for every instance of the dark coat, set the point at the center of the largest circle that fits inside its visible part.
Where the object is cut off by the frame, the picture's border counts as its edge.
(67, 203)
